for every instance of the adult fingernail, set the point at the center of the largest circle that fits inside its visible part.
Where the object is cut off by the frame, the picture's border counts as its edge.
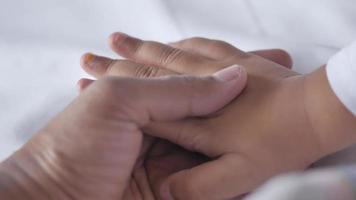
(230, 73)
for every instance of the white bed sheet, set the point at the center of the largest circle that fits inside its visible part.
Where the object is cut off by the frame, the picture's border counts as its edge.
(41, 42)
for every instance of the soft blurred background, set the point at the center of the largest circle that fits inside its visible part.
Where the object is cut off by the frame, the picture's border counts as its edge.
(41, 42)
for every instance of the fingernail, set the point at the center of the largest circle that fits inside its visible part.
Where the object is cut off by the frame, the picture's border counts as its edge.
(166, 193)
(95, 62)
(230, 73)
(90, 60)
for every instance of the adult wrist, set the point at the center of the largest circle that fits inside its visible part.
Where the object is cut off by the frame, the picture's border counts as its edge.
(22, 178)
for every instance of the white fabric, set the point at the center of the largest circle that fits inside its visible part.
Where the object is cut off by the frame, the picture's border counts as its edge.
(325, 184)
(41, 42)
(341, 72)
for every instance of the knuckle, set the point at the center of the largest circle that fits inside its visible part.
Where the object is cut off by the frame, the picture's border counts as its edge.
(110, 66)
(106, 86)
(240, 57)
(192, 41)
(105, 83)
(220, 44)
(196, 39)
(138, 48)
(114, 88)
(115, 98)
(170, 55)
(146, 71)
(100, 96)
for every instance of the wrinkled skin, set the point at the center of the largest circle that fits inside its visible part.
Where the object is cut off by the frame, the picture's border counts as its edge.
(89, 150)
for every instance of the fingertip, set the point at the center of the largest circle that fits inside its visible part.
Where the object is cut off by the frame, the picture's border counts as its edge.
(85, 59)
(116, 39)
(284, 58)
(278, 56)
(95, 65)
(124, 44)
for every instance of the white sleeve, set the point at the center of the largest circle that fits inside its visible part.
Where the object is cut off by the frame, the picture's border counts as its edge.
(341, 72)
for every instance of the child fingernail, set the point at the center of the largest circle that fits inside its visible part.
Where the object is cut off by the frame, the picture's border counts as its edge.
(94, 62)
(230, 73)
(89, 60)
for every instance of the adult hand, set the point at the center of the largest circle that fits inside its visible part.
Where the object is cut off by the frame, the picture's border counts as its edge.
(90, 149)
(278, 124)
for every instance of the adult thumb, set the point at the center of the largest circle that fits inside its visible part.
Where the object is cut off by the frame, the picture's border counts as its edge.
(176, 97)
(189, 96)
